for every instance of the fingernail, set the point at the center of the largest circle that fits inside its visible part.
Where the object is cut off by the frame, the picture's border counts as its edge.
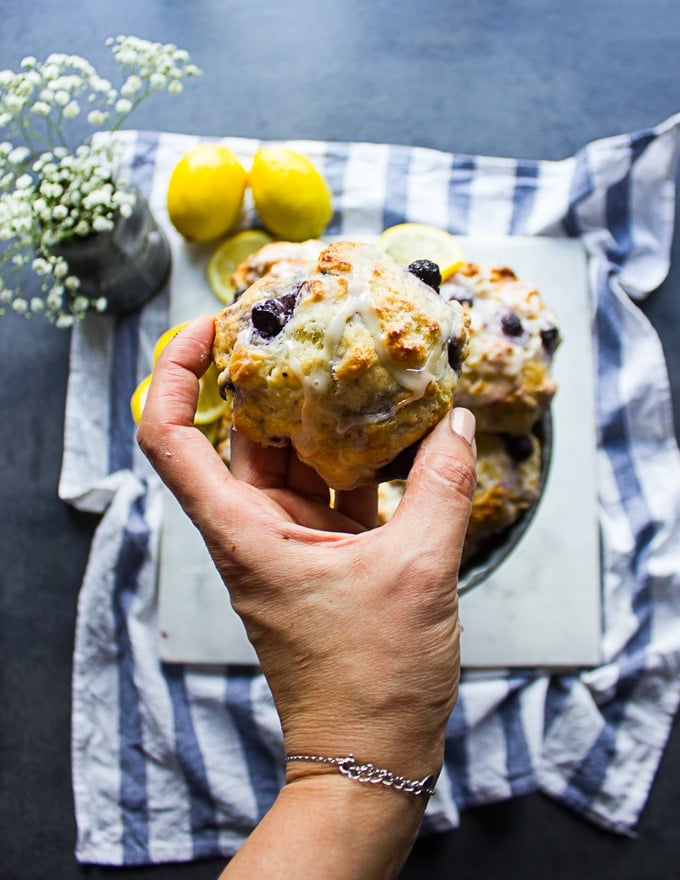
(463, 423)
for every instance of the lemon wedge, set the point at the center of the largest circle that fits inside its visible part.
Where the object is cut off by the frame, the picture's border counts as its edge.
(408, 242)
(230, 254)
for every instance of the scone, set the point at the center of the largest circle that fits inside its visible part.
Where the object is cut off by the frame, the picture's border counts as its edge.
(506, 379)
(352, 362)
(281, 258)
(508, 484)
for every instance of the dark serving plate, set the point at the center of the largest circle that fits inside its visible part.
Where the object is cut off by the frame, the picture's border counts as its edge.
(496, 551)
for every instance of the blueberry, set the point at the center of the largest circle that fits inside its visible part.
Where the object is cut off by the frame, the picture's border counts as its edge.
(550, 338)
(268, 318)
(512, 324)
(428, 272)
(519, 448)
(454, 351)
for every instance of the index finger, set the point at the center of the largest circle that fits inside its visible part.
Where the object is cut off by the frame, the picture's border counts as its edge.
(183, 457)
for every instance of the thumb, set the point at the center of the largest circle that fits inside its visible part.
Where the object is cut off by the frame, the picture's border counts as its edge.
(436, 505)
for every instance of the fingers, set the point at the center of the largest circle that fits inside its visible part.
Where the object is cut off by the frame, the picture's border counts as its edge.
(435, 509)
(297, 489)
(273, 467)
(184, 458)
(360, 505)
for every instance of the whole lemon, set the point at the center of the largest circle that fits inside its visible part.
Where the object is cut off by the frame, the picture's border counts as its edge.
(290, 195)
(205, 192)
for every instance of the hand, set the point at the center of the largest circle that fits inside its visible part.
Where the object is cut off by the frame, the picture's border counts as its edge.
(356, 628)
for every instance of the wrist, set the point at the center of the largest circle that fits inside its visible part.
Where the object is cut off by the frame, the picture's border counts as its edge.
(368, 829)
(325, 825)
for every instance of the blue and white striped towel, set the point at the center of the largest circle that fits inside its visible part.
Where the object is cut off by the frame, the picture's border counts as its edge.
(172, 763)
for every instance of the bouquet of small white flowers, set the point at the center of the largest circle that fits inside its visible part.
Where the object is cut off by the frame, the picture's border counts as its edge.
(52, 191)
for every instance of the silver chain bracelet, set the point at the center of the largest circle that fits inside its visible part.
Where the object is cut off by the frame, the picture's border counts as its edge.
(358, 772)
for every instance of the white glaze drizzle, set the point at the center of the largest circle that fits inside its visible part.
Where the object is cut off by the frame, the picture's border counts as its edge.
(359, 302)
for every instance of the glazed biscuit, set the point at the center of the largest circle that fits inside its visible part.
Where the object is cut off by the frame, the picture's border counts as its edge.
(280, 258)
(352, 361)
(506, 378)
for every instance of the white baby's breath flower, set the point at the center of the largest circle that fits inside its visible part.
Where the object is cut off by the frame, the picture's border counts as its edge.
(41, 266)
(97, 117)
(71, 110)
(60, 268)
(68, 190)
(51, 190)
(41, 108)
(102, 224)
(55, 297)
(14, 102)
(18, 155)
(157, 81)
(131, 86)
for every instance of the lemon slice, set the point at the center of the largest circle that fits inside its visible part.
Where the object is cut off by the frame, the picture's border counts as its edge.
(164, 338)
(138, 399)
(408, 242)
(210, 404)
(230, 254)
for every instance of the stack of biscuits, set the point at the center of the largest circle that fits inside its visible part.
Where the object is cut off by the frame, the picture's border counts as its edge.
(352, 359)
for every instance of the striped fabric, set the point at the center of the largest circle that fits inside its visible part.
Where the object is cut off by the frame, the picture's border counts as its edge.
(173, 763)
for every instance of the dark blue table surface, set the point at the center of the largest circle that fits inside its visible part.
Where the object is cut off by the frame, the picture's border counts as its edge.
(522, 78)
